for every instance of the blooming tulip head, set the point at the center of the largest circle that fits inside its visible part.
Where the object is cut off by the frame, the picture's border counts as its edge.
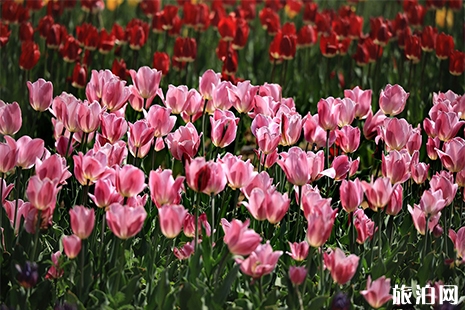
(240, 239)
(10, 118)
(171, 220)
(146, 81)
(125, 221)
(40, 94)
(262, 261)
(342, 267)
(458, 239)
(377, 292)
(299, 251)
(184, 142)
(72, 245)
(82, 221)
(392, 99)
(320, 224)
(130, 181)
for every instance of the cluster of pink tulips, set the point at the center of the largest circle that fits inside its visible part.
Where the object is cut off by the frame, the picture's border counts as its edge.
(143, 162)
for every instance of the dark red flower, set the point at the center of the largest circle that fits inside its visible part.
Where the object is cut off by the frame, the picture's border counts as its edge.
(34, 5)
(70, 50)
(435, 4)
(310, 10)
(355, 26)
(26, 32)
(185, 50)
(374, 51)
(428, 38)
(329, 45)
(242, 34)
(222, 49)
(287, 46)
(14, 13)
(402, 35)
(457, 63)
(150, 7)
(196, 16)
(137, 33)
(119, 33)
(455, 4)
(293, 7)
(341, 27)
(227, 28)
(54, 36)
(306, 36)
(230, 63)
(400, 22)
(88, 36)
(413, 48)
(119, 68)
(30, 55)
(45, 23)
(380, 32)
(4, 34)
(361, 56)
(416, 15)
(169, 13)
(323, 22)
(161, 62)
(270, 20)
(79, 78)
(218, 12)
(92, 6)
(106, 42)
(444, 45)
(275, 5)
(176, 29)
(248, 9)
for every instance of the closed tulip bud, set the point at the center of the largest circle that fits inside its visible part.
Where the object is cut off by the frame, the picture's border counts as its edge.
(171, 220)
(164, 189)
(82, 221)
(184, 142)
(125, 221)
(362, 100)
(40, 94)
(348, 138)
(72, 246)
(395, 203)
(351, 193)
(392, 99)
(10, 118)
(378, 192)
(297, 275)
(224, 128)
(320, 224)
(364, 226)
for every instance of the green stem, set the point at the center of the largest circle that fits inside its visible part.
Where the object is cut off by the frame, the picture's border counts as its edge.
(299, 206)
(196, 239)
(425, 250)
(36, 237)
(69, 144)
(18, 190)
(81, 284)
(322, 274)
(203, 125)
(309, 265)
(212, 202)
(380, 235)
(84, 193)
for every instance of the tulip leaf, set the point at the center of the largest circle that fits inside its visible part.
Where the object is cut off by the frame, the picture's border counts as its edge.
(41, 293)
(317, 302)
(221, 294)
(190, 299)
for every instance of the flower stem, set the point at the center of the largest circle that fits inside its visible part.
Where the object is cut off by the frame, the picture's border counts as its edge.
(212, 203)
(426, 237)
(322, 274)
(69, 144)
(17, 188)
(37, 232)
(380, 236)
(196, 221)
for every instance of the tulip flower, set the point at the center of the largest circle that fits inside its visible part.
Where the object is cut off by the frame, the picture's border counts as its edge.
(364, 226)
(105, 194)
(82, 221)
(262, 261)
(431, 202)
(185, 251)
(328, 113)
(297, 166)
(351, 195)
(458, 239)
(238, 173)
(164, 189)
(140, 138)
(299, 251)
(146, 81)
(395, 203)
(90, 167)
(314, 134)
(72, 246)
(129, 181)
(342, 268)
(184, 142)
(419, 219)
(396, 133)
(297, 275)
(42, 194)
(396, 166)
(444, 181)
(270, 205)
(223, 128)
(189, 225)
(161, 120)
(53, 168)
(447, 125)
(377, 292)
(115, 94)
(362, 100)
(171, 220)
(30, 55)
(28, 151)
(55, 271)
(453, 154)
(240, 239)
(291, 127)
(113, 127)
(320, 224)
(125, 221)
(10, 118)
(40, 94)
(372, 123)
(348, 138)
(27, 275)
(378, 192)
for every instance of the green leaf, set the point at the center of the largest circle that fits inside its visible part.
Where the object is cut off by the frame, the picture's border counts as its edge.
(221, 294)
(130, 288)
(317, 302)
(189, 298)
(41, 293)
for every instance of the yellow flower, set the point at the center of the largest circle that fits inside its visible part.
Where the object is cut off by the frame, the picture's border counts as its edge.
(113, 4)
(133, 2)
(444, 18)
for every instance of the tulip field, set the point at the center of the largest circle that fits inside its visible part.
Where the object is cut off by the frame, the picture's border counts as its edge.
(223, 154)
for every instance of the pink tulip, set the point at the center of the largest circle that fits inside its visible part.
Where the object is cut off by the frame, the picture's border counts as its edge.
(10, 118)
(444, 181)
(270, 160)
(116, 153)
(160, 119)
(8, 155)
(40, 94)
(372, 123)
(348, 138)
(377, 292)
(447, 125)
(239, 173)
(351, 195)
(299, 251)
(345, 111)
(98, 80)
(297, 165)
(113, 127)
(115, 95)
(395, 203)
(431, 146)
(392, 99)
(240, 239)
(5, 190)
(105, 194)
(432, 202)
(291, 127)
(223, 128)
(164, 189)
(129, 181)
(242, 95)
(137, 201)
(341, 166)
(11, 211)
(176, 98)
(268, 137)
(88, 116)
(364, 226)
(185, 251)
(171, 220)
(28, 151)
(214, 179)
(362, 100)
(42, 194)
(31, 216)
(146, 81)
(270, 205)
(90, 167)
(320, 224)
(261, 180)
(453, 155)
(265, 105)
(137, 102)
(414, 141)
(193, 107)
(189, 225)
(458, 239)
(311, 199)
(297, 275)
(419, 219)
(220, 98)
(55, 271)
(396, 133)
(396, 166)
(460, 180)
(53, 168)
(262, 261)
(272, 90)
(82, 221)
(65, 107)
(72, 246)
(125, 221)
(184, 142)
(140, 138)
(378, 192)
(318, 163)
(314, 134)
(328, 113)
(418, 171)
(208, 82)
(342, 268)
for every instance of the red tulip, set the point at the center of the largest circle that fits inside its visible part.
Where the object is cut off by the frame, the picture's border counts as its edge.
(119, 69)
(413, 48)
(161, 62)
(270, 20)
(137, 33)
(457, 63)
(30, 55)
(185, 49)
(79, 77)
(428, 39)
(444, 45)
